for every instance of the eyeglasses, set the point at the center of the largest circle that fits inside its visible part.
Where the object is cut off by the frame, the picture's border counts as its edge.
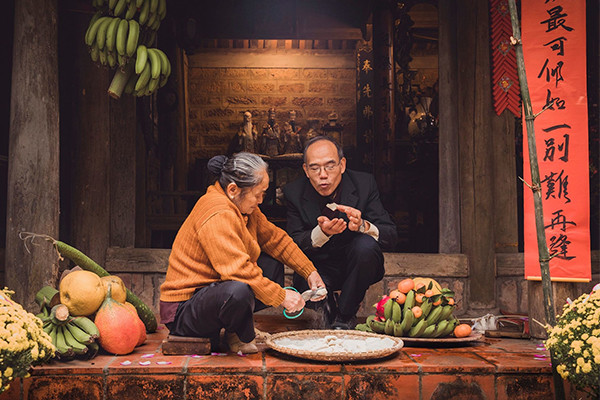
(316, 169)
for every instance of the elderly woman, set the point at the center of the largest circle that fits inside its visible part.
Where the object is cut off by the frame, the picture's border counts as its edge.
(214, 273)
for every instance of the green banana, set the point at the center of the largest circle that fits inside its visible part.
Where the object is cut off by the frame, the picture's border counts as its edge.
(52, 333)
(130, 84)
(144, 12)
(112, 4)
(111, 34)
(378, 326)
(103, 56)
(151, 38)
(398, 330)
(131, 10)
(143, 78)
(79, 334)
(162, 9)
(396, 312)
(429, 331)
(93, 349)
(121, 40)
(141, 59)
(94, 52)
(389, 327)
(153, 85)
(446, 311)
(387, 309)
(87, 325)
(132, 37)
(449, 328)
(153, 6)
(61, 345)
(154, 63)
(95, 18)
(138, 3)
(418, 329)
(165, 65)
(90, 36)
(440, 328)
(122, 60)
(434, 316)
(426, 307)
(111, 58)
(119, 7)
(151, 19)
(78, 348)
(101, 34)
(155, 25)
(410, 300)
(407, 321)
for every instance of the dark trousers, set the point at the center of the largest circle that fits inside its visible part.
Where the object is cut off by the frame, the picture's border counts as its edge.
(227, 304)
(350, 266)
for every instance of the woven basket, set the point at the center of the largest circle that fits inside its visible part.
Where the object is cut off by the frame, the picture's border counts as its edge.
(337, 356)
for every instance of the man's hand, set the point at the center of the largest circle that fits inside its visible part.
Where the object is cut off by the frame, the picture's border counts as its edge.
(293, 301)
(314, 282)
(331, 226)
(354, 218)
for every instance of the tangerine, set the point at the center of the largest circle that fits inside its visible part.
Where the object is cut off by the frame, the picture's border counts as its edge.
(419, 285)
(406, 285)
(419, 297)
(394, 294)
(417, 311)
(438, 302)
(462, 330)
(401, 299)
(451, 301)
(428, 293)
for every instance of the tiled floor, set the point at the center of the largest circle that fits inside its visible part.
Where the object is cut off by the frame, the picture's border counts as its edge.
(487, 369)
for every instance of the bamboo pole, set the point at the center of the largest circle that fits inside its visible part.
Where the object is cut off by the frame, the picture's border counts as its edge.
(544, 255)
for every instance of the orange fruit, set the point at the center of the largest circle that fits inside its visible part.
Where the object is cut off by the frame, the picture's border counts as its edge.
(462, 330)
(451, 301)
(438, 302)
(435, 286)
(406, 285)
(419, 297)
(401, 298)
(394, 294)
(417, 311)
(428, 293)
(419, 285)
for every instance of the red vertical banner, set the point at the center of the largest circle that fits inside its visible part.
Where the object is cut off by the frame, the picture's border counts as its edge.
(554, 48)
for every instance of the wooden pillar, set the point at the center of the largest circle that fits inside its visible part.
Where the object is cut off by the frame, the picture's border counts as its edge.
(91, 141)
(122, 172)
(449, 182)
(506, 226)
(384, 135)
(33, 161)
(475, 151)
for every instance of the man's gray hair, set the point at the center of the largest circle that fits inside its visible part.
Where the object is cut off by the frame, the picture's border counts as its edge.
(340, 151)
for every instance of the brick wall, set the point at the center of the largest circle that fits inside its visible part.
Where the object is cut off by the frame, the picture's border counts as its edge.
(222, 84)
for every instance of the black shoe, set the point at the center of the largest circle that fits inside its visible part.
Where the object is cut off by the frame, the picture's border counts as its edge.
(344, 323)
(326, 313)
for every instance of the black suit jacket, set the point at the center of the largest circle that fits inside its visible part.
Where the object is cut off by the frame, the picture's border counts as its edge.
(359, 190)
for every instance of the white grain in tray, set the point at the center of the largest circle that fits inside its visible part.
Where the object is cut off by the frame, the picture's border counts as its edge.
(336, 344)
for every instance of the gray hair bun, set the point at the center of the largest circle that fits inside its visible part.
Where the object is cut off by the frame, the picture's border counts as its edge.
(215, 164)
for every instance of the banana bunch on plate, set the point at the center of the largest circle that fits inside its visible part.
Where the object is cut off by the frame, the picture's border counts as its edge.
(71, 336)
(114, 37)
(419, 308)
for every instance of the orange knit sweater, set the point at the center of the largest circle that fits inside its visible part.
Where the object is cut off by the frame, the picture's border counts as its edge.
(217, 243)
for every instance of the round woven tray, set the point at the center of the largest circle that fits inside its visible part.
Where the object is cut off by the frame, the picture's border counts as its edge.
(337, 356)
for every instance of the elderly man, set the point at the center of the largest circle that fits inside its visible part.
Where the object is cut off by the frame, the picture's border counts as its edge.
(336, 218)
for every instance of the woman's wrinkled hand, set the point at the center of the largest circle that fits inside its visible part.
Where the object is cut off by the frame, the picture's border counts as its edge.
(314, 282)
(293, 301)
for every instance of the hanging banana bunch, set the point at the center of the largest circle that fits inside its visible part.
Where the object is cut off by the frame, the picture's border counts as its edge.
(120, 36)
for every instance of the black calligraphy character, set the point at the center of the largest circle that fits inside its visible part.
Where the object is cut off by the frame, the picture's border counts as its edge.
(552, 181)
(556, 19)
(550, 149)
(558, 46)
(552, 72)
(559, 220)
(554, 101)
(564, 148)
(558, 247)
(555, 127)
